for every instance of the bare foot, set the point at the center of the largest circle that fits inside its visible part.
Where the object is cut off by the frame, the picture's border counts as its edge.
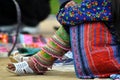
(11, 66)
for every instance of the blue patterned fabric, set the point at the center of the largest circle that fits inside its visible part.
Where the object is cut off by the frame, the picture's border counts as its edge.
(87, 10)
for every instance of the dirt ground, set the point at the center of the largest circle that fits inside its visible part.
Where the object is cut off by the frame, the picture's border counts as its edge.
(46, 27)
(57, 73)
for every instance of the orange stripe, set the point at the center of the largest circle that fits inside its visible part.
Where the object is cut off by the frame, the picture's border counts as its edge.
(92, 34)
(87, 49)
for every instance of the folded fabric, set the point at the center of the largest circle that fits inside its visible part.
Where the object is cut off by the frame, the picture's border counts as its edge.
(29, 40)
(28, 51)
(3, 52)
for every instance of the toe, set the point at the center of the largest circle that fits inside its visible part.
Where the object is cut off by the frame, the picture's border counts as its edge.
(11, 66)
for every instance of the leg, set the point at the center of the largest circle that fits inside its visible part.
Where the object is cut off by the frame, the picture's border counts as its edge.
(55, 48)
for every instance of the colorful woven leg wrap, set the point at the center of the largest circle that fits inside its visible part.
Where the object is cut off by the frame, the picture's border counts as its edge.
(55, 48)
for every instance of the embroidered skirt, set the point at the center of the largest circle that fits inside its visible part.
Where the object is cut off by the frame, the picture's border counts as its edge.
(95, 51)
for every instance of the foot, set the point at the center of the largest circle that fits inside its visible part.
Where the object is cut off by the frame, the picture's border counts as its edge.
(26, 67)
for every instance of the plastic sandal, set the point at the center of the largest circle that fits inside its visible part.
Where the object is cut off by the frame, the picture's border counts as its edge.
(15, 57)
(21, 68)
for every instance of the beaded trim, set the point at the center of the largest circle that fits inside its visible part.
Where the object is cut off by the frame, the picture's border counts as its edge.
(53, 52)
(60, 44)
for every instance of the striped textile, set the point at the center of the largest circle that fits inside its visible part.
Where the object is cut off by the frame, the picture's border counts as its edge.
(55, 48)
(95, 51)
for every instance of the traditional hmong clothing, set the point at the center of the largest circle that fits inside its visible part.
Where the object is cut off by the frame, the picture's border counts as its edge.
(88, 10)
(94, 47)
(55, 48)
(95, 50)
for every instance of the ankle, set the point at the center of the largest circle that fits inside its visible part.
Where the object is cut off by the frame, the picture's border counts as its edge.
(38, 69)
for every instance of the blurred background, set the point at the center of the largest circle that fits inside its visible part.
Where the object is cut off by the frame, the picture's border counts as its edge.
(51, 20)
(36, 16)
(37, 28)
(38, 23)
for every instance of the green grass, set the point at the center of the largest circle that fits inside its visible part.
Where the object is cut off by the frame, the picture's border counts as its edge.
(55, 5)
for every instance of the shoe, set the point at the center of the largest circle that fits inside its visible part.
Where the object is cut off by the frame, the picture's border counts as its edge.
(21, 68)
(16, 57)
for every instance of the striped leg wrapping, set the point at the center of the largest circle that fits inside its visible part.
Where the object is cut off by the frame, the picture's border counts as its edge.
(55, 48)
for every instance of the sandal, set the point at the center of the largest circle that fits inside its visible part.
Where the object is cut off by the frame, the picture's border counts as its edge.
(15, 57)
(21, 68)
